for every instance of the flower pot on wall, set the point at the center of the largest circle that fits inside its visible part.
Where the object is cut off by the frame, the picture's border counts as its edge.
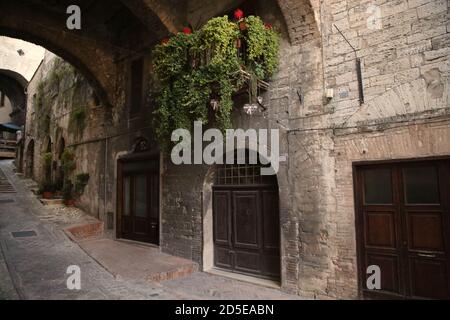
(47, 195)
(243, 25)
(70, 202)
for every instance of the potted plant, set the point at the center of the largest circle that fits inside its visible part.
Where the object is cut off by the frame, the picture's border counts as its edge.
(67, 193)
(47, 163)
(81, 181)
(46, 189)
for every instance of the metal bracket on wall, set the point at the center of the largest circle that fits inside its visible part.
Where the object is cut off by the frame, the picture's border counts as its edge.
(358, 69)
(300, 96)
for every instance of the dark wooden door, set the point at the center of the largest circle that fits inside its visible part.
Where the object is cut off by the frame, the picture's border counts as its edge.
(139, 203)
(246, 230)
(403, 227)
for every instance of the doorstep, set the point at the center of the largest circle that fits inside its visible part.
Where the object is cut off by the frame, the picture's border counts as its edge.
(241, 277)
(133, 261)
(51, 202)
(85, 231)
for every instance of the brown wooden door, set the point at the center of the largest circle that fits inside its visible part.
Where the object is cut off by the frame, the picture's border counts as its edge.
(139, 205)
(246, 230)
(403, 227)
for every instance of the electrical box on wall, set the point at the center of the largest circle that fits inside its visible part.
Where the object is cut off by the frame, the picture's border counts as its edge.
(329, 93)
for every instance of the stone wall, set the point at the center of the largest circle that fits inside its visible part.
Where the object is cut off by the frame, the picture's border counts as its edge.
(5, 110)
(300, 72)
(56, 91)
(405, 78)
(107, 132)
(403, 46)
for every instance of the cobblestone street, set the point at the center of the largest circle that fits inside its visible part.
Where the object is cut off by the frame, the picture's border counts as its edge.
(34, 267)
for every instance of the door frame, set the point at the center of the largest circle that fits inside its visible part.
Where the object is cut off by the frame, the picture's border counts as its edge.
(359, 227)
(134, 158)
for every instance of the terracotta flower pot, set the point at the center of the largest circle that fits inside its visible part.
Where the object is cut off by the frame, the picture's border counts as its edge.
(238, 43)
(47, 195)
(70, 202)
(243, 25)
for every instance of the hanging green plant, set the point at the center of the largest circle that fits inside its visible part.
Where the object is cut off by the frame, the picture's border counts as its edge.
(77, 120)
(195, 68)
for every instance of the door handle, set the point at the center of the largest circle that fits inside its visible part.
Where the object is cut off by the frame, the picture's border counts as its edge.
(426, 255)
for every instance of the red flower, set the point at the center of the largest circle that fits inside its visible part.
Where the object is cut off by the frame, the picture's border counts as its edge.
(238, 14)
(268, 26)
(187, 30)
(165, 41)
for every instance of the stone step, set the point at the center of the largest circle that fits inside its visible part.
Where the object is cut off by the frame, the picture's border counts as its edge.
(135, 261)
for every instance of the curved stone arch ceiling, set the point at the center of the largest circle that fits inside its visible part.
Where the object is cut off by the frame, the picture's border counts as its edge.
(171, 14)
(12, 85)
(19, 58)
(89, 50)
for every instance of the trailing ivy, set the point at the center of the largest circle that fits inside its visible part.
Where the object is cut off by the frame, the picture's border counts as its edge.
(263, 45)
(77, 120)
(50, 88)
(193, 68)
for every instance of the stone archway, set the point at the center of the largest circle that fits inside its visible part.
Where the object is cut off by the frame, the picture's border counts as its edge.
(99, 50)
(13, 86)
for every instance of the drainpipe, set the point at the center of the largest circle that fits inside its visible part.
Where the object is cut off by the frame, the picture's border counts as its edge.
(105, 165)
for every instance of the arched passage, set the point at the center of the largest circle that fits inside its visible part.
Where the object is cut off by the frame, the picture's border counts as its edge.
(13, 85)
(110, 34)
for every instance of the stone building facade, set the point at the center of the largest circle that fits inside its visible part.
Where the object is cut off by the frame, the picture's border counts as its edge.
(326, 130)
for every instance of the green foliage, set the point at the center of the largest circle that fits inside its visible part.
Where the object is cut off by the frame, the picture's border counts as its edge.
(81, 181)
(44, 125)
(43, 109)
(46, 92)
(46, 186)
(47, 159)
(47, 166)
(67, 191)
(68, 162)
(263, 45)
(77, 120)
(194, 68)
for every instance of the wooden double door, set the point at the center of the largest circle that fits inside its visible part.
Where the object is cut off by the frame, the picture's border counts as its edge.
(138, 207)
(246, 230)
(403, 227)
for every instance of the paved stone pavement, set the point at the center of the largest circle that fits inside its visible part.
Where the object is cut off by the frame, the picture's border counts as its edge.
(35, 267)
